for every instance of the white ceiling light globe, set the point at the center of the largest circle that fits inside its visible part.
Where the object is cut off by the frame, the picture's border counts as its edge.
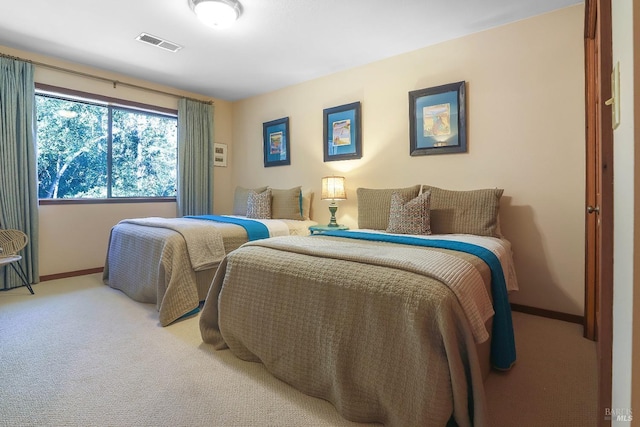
(216, 13)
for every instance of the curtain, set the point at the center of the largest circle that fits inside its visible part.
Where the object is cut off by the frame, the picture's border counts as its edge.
(18, 173)
(195, 158)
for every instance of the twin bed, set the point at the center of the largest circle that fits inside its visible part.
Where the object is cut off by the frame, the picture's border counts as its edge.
(171, 262)
(390, 326)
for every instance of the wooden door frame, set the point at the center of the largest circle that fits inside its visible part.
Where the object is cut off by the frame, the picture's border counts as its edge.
(598, 26)
(592, 161)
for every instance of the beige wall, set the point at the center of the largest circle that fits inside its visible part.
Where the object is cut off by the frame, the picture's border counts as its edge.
(525, 93)
(75, 237)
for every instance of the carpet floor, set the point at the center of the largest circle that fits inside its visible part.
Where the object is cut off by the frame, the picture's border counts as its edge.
(78, 353)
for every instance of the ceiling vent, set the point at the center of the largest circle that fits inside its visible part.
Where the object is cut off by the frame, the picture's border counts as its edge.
(158, 42)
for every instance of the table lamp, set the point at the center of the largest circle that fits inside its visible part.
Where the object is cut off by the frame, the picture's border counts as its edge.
(333, 189)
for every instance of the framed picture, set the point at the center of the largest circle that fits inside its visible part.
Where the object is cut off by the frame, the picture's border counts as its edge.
(342, 132)
(219, 154)
(277, 145)
(438, 120)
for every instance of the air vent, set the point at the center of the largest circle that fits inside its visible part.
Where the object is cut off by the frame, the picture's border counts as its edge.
(158, 42)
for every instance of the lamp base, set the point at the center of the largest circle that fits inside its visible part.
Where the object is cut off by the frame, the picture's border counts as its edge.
(333, 208)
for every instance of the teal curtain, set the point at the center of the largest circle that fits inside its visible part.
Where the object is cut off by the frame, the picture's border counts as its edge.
(18, 173)
(195, 158)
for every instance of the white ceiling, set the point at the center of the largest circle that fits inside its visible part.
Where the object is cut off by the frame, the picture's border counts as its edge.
(274, 44)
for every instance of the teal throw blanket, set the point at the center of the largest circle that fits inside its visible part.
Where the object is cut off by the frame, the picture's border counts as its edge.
(255, 229)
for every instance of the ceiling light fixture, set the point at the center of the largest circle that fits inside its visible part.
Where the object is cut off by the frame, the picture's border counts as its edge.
(216, 13)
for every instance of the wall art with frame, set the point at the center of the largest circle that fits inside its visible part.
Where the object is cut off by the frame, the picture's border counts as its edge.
(219, 154)
(342, 132)
(277, 142)
(438, 120)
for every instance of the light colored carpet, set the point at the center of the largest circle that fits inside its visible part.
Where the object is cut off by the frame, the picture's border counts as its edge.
(78, 353)
(554, 381)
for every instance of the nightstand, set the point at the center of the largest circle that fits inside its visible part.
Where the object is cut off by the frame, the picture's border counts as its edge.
(318, 229)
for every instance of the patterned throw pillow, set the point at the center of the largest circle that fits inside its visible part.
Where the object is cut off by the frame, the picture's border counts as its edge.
(240, 197)
(259, 205)
(374, 205)
(409, 216)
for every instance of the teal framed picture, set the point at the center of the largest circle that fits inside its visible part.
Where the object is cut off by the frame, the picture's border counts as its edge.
(277, 143)
(438, 120)
(342, 132)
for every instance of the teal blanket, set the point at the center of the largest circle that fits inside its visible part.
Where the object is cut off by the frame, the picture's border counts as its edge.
(503, 346)
(255, 229)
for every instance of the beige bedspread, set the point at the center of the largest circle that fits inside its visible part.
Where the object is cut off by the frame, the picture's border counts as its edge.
(381, 343)
(171, 263)
(204, 243)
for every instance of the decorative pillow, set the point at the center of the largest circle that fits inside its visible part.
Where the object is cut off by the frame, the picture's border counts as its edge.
(409, 216)
(285, 204)
(465, 212)
(374, 205)
(259, 205)
(240, 198)
(306, 198)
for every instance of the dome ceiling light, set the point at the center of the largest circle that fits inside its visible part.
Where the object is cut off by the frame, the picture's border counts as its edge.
(216, 13)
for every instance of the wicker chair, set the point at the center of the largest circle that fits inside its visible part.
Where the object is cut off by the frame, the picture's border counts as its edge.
(12, 242)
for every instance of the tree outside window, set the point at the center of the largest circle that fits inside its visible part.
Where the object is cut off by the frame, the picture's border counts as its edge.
(89, 150)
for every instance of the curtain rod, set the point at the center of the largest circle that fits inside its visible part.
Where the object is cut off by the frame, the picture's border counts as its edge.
(104, 79)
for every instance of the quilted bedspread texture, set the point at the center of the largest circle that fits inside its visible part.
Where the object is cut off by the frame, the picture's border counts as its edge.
(381, 343)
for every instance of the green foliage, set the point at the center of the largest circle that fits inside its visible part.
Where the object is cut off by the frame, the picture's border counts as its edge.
(73, 151)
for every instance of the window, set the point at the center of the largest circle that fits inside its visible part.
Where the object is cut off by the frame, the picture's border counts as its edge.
(97, 149)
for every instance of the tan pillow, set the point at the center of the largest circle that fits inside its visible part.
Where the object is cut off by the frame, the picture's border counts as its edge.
(259, 204)
(286, 204)
(409, 216)
(465, 212)
(240, 198)
(374, 205)
(307, 197)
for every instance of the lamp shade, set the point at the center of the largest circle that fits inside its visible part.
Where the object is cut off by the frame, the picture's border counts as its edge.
(216, 13)
(333, 188)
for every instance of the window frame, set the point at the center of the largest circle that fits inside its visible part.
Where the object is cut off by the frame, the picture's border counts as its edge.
(91, 98)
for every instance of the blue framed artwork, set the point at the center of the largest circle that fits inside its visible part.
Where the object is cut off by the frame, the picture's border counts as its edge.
(438, 120)
(342, 132)
(277, 143)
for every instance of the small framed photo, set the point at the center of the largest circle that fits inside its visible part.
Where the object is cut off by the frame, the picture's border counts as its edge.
(276, 141)
(342, 132)
(219, 154)
(438, 120)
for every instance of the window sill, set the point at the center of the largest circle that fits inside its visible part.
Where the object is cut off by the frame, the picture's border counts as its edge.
(112, 200)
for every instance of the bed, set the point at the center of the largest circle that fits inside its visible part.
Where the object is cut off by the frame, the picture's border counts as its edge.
(171, 262)
(391, 327)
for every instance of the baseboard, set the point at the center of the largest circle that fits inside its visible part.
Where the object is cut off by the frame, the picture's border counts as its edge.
(71, 274)
(573, 318)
